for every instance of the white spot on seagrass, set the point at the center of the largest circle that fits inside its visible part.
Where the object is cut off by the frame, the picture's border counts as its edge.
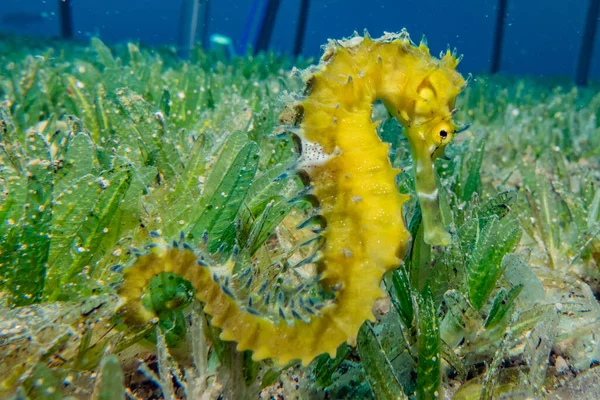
(283, 129)
(289, 99)
(561, 365)
(357, 199)
(381, 306)
(430, 196)
(347, 253)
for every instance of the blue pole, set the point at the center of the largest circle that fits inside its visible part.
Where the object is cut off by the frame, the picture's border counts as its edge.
(301, 27)
(245, 39)
(193, 25)
(66, 19)
(498, 37)
(266, 26)
(587, 43)
(205, 13)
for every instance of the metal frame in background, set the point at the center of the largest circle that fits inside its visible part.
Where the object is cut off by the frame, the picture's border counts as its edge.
(193, 24)
(498, 37)
(267, 15)
(587, 41)
(267, 23)
(194, 21)
(301, 27)
(66, 19)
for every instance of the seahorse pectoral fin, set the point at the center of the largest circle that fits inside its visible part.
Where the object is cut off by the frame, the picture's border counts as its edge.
(427, 192)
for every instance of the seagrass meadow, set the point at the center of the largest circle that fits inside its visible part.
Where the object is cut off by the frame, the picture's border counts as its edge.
(112, 157)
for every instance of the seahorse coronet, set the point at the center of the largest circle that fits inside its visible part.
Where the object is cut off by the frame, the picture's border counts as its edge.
(347, 170)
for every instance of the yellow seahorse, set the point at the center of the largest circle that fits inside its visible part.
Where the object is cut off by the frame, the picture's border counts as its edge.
(348, 166)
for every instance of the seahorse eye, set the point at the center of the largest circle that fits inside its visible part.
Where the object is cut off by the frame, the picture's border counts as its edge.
(441, 133)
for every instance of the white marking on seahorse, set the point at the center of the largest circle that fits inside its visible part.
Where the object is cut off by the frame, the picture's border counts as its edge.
(313, 155)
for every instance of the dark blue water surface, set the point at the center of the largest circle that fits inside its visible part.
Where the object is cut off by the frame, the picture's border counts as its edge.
(542, 36)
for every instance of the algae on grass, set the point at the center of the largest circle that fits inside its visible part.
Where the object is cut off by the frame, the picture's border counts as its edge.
(120, 147)
(106, 153)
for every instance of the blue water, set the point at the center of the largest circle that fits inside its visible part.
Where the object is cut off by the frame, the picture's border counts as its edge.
(542, 36)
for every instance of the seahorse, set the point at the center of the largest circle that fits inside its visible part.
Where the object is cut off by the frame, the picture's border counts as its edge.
(349, 173)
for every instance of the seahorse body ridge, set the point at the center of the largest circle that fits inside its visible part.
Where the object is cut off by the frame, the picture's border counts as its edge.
(351, 177)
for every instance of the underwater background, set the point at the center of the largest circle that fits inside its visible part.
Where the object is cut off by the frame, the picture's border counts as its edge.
(542, 37)
(154, 200)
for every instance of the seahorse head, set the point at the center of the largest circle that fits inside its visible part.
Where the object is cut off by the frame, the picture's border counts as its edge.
(425, 106)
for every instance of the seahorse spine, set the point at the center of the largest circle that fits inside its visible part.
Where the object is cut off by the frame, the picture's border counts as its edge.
(350, 174)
